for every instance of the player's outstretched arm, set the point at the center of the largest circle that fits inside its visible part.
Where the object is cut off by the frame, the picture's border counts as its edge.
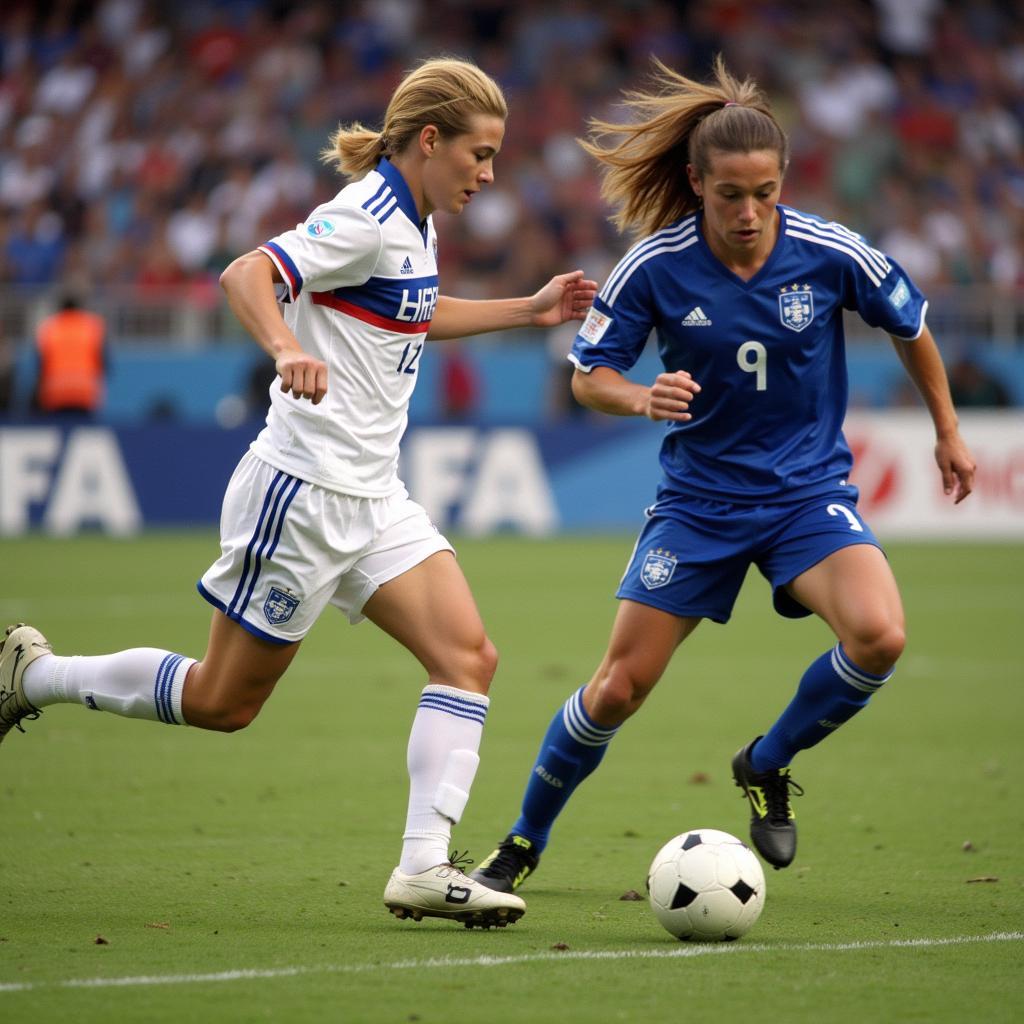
(606, 390)
(564, 297)
(249, 285)
(923, 364)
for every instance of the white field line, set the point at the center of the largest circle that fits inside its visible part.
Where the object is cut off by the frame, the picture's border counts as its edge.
(671, 953)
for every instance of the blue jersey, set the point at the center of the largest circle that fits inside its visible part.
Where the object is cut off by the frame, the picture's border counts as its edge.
(768, 353)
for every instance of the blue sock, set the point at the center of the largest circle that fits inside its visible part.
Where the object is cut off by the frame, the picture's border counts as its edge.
(572, 748)
(831, 692)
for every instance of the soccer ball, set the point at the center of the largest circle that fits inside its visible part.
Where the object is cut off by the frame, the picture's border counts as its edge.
(706, 886)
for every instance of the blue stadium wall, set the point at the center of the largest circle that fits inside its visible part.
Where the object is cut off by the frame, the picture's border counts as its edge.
(515, 382)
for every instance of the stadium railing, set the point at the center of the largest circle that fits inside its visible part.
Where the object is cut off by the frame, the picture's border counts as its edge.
(194, 315)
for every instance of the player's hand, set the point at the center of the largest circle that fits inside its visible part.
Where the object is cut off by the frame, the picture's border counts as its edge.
(957, 466)
(670, 397)
(564, 297)
(302, 375)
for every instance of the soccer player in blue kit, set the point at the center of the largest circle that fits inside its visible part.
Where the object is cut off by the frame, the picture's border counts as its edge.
(745, 297)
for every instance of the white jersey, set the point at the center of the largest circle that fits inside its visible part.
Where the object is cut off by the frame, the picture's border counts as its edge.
(360, 290)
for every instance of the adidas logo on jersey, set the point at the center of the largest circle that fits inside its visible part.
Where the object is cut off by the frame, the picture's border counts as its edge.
(696, 318)
(407, 266)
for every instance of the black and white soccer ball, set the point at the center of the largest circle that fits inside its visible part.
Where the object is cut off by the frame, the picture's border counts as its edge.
(706, 886)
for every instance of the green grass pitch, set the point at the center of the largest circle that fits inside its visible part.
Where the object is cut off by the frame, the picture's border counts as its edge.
(158, 874)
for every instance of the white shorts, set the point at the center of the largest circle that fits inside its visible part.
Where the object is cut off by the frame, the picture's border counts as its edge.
(290, 548)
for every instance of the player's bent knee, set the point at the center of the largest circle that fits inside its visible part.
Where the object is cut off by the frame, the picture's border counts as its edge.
(488, 657)
(619, 695)
(878, 650)
(473, 667)
(890, 645)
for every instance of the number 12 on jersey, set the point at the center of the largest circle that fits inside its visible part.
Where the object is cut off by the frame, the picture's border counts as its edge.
(752, 357)
(407, 364)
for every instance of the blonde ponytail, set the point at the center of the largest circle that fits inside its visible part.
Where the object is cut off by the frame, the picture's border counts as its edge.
(354, 150)
(445, 92)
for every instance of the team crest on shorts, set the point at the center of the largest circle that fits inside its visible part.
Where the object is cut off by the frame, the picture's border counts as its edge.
(279, 606)
(658, 567)
(796, 307)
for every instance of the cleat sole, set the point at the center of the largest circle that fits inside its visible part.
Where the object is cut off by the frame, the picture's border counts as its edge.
(484, 919)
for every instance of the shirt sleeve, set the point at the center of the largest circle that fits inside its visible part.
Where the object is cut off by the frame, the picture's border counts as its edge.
(615, 332)
(884, 296)
(335, 247)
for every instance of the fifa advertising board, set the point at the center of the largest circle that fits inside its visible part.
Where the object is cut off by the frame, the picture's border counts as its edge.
(901, 492)
(581, 476)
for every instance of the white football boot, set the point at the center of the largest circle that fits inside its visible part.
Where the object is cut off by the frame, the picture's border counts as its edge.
(444, 891)
(19, 648)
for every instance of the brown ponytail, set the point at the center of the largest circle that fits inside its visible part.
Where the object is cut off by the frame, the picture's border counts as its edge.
(679, 122)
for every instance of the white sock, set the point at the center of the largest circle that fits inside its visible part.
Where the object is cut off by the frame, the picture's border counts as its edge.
(143, 682)
(442, 759)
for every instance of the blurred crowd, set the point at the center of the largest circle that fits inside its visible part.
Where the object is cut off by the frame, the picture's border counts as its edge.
(146, 144)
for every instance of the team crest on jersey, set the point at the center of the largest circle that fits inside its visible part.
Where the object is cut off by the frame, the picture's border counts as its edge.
(796, 307)
(658, 567)
(279, 606)
(319, 228)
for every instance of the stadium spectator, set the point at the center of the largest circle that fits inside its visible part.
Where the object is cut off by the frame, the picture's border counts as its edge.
(906, 26)
(71, 347)
(35, 245)
(974, 386)
(908, 242)
(754, 463)
(459, 385)
(192, 234)
(7, 350)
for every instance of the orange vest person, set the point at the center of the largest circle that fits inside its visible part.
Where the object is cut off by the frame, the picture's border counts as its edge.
(72, 362)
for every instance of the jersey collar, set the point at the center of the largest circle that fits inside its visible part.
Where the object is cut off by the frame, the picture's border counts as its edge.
(714, 261)
(393, 176)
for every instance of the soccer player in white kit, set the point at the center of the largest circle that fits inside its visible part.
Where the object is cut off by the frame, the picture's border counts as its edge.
(315, 513)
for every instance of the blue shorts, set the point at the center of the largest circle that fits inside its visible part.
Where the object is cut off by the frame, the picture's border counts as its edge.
(693, 554)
